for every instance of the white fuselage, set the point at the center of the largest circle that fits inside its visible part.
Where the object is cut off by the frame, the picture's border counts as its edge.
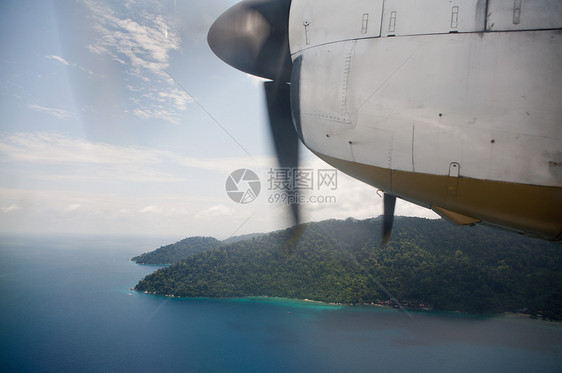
(466, 90)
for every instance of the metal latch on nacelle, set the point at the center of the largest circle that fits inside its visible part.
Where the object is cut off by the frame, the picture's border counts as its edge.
(454, 169)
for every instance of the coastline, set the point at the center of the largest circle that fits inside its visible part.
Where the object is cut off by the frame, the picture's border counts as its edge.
(387, 305)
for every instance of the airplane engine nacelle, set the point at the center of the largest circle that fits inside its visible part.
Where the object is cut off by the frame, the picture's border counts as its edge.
(453, 105)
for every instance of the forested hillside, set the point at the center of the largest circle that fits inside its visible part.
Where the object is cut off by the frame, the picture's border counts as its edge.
(242, 237)
(182, 249)
(471, 269)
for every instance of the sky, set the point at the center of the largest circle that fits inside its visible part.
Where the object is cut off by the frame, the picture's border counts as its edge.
(116, 118)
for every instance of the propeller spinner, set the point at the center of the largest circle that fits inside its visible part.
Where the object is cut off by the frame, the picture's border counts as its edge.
(253, 37)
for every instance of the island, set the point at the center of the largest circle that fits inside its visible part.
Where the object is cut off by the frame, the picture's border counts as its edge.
(166, 255)
(427, 264)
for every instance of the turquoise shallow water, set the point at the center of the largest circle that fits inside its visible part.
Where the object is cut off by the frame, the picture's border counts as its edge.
(66, 306)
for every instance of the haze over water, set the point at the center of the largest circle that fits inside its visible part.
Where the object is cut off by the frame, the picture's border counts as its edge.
(66, 306)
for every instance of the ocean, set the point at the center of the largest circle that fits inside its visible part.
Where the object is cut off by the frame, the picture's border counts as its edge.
(67, 307)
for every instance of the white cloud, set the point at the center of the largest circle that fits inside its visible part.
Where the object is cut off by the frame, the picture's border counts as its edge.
(139, 162)
(159, 113)
(66, 63)
(55, 210)
(139, 189)
(150, 209)
(72, 207)
(178, 97)
(59, 59)
(215, 211)
(12, 207)
(141, 39)
(59, 113)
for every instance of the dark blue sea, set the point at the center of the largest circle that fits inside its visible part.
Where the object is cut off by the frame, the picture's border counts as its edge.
(66, 307)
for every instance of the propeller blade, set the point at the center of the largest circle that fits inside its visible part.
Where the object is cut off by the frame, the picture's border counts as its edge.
(253, 36)
(388, 217)
(284, 135)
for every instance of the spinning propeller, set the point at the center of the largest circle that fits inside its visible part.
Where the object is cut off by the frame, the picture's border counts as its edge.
(253, 37)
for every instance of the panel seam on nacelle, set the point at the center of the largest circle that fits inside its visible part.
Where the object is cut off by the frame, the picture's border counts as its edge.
(428, 34)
